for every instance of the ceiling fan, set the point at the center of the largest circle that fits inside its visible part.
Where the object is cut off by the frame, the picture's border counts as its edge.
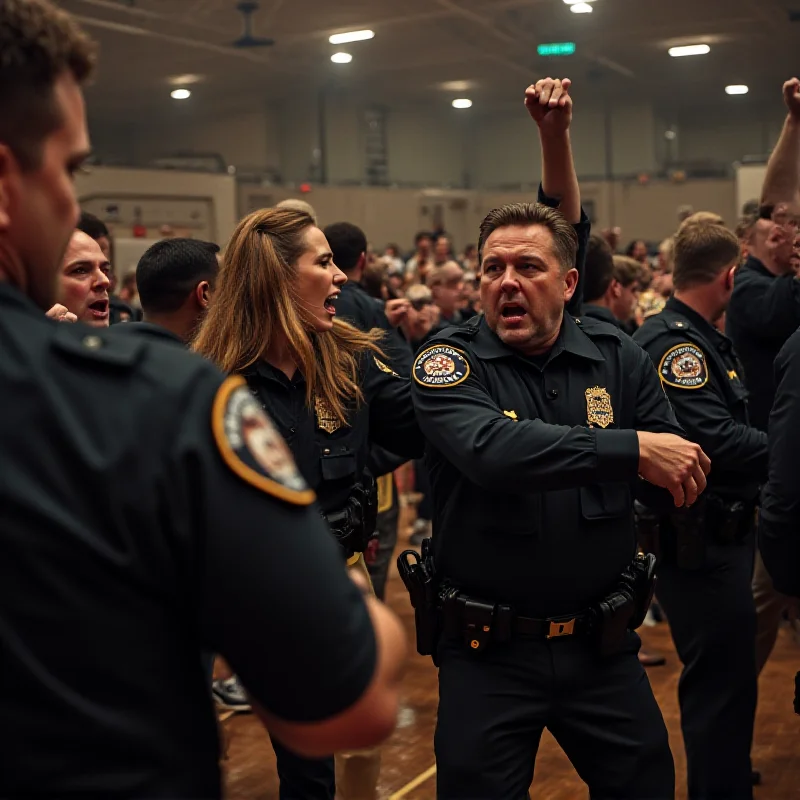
(247, 8)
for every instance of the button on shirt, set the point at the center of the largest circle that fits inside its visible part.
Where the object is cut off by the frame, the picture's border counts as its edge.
(763, 313)
(534, 462)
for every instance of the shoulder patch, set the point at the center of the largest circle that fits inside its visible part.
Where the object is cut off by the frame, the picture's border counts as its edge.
(384, 368)
(251, 446)
(441, 366)
(684, 366)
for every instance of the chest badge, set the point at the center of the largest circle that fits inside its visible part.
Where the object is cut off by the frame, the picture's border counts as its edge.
(598, 407)
(511, 415)
(326, 419)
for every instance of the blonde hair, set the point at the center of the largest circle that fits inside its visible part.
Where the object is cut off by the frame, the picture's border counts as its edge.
(702, 217)
(298, 205)
(626, 270)
(255, 302)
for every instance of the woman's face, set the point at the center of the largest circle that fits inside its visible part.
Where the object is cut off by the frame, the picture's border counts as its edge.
(318, 280)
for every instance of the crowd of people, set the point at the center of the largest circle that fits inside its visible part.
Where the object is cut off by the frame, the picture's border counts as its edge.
(199, 476)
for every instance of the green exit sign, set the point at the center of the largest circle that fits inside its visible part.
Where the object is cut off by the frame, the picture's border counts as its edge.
(557, 49)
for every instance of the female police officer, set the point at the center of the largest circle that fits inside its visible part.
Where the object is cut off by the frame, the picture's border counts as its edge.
(273, 320)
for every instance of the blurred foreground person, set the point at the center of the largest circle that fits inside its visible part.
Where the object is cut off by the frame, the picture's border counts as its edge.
(324, 382)
(147, 501)
(707, 551)
(538, 426)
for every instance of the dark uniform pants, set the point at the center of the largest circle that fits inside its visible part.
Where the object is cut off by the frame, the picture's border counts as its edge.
(494, 706)
(713, 622)
(388, 517)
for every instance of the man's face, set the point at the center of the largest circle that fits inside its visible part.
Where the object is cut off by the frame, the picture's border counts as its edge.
(524, 288)
(626, 298)
(424, 246)
(448, 295)
(84, 281)
(38, 208)
(442, 250)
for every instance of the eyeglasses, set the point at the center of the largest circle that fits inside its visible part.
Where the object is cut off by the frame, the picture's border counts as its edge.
(421, 303)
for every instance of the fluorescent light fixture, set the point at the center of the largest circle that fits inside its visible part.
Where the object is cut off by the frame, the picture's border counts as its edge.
(581, 8)
(556, 49)
(184, 80)
(352, 36)
(341, 58)
(689, 50)
(576, 2)
(737, 88)
(180, 94)
(457, 86)
(462, 102)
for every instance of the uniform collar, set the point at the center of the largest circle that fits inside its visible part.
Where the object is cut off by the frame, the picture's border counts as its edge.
(600, 312)
(571, 339)
(264, 371)
(753, 263)
(11, 296)
(149, 329)
(698, 321)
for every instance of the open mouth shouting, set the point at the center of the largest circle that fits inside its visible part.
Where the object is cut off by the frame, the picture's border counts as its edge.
(98, 311)
(330, 303)
(512, 313)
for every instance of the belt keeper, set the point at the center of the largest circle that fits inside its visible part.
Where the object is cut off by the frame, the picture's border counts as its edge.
(478, 621)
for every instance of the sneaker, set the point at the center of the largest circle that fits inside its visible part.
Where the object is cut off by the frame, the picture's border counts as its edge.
(230, 694)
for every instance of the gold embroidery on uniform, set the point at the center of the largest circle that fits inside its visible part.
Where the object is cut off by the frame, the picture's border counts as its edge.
(732, 374)
(598, 407)
(326, 419)
(383, 368)
(511, 415)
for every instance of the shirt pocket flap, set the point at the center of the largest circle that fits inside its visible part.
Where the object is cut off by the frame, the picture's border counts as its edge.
(605, 501)
(336, 466)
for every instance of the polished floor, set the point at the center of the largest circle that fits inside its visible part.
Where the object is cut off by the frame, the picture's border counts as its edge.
(408, 762)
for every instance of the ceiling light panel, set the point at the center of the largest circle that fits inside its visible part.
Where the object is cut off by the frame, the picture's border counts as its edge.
(351, 36)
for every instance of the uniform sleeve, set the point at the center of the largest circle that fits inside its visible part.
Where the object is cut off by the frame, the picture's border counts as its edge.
(392, 421)
(705, 417)
(779, 521)
(777, 301)
(273, 596)
(583, 230)
(499, 453)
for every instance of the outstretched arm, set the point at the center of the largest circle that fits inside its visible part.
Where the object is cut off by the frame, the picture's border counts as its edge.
(782, 181)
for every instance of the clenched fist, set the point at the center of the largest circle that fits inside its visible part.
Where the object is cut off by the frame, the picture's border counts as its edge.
(673, 463)
(791, 96)
(61, 313)
(550, 105)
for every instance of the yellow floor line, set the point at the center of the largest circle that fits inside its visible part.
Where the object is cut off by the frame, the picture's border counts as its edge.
(418, 781)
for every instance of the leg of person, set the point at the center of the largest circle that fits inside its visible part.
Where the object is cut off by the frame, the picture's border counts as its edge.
(712, 619)
(608, 722)
(386, 541)
(304, 778)
(769, 610)
(492, 707)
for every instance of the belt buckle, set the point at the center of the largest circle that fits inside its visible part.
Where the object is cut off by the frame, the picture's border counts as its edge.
(561, 628)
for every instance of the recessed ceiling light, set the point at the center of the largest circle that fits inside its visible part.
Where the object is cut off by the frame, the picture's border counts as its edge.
(184, 80)
(462, 102)
(737, 88)
(577, 2)
(341, 58)
(581, 8)
(180, 94)
(457, 86)
(689, 50)
(352, 36)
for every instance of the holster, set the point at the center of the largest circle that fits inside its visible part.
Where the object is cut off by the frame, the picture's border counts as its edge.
(355, 524)
(419, 577)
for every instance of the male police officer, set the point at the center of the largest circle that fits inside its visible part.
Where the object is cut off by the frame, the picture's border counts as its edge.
(146, 501)
(704, 575)
(538, 425)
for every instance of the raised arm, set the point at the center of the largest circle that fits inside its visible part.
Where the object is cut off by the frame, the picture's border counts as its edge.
(782, 181)
(550, 105)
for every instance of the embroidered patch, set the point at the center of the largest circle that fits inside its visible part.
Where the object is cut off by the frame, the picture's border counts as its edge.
(326, 420)
(251, 446)
(598, 407)
(384, 368)
(441, 366)
(684, 366)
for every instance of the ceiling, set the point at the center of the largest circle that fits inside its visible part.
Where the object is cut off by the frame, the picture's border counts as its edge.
(419, 44)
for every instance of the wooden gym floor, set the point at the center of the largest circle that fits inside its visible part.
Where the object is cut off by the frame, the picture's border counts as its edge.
(407, 769)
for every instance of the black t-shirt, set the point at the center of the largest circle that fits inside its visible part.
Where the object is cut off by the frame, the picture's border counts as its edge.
(148, 512)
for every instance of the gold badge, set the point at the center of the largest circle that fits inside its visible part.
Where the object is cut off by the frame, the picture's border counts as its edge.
(511, 415)
(326, 419)
(598, 407)
(383, 368)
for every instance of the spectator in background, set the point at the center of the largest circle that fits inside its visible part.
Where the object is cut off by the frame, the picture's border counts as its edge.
(391, 257)
(418, 265)
(96, 228)
(83, 283)
(612, 237)
(442, 251)
(422, 315)
(129, 294)
(684, 212)
(597, 280)
(447, 287)
(299, 205)
(394, 281)
(637, 250)
(469, 261)
(705, 217)
(744, 232)
(666, 255)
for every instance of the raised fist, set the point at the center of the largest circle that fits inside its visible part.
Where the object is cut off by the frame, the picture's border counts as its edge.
(550, 105)
(791, 96)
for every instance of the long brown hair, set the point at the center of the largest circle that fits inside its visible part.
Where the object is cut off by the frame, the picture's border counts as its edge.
(255, 301)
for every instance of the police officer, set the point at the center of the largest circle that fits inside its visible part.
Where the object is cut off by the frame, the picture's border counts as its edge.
(537, 426)
(707, 551)
(324, 382)
(134, 477)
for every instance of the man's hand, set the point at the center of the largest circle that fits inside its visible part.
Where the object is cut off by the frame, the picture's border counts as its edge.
(673, 463)
(396, 311)
(791, 96)
(61, 313)
(550, 105)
